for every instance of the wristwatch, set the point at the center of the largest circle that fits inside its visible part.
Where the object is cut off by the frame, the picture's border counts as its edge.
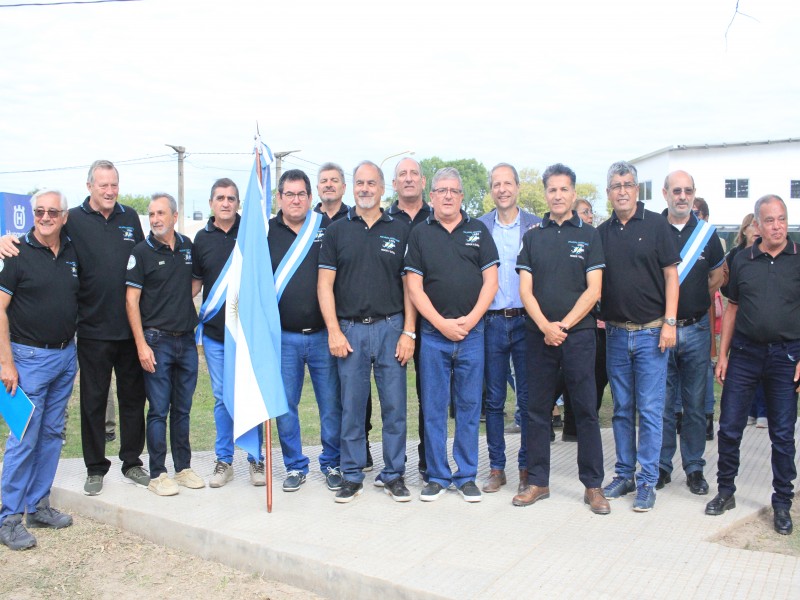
(671, 322)
(413, 335)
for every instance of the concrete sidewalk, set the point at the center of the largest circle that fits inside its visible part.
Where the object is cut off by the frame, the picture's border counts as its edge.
(376, 548)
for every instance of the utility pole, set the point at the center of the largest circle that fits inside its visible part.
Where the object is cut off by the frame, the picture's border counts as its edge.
(279, 164)
(181, 153)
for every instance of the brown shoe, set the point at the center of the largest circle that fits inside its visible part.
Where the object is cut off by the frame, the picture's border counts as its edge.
(497, 479)
(523, 480)
(531, 494)
(597, 501)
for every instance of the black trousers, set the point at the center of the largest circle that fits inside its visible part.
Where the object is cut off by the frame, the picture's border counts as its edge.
(96, 359)
(576, 357)
(600, 379)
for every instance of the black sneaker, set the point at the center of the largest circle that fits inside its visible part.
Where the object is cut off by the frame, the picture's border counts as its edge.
(397, 489)
(110, 437)
(348, 491)
(47, 517)
(431, 492)
(14, 535)
(293, 481)
(470, 492)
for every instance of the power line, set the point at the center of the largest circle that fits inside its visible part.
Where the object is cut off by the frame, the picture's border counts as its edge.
(62, 2)
(117, 162)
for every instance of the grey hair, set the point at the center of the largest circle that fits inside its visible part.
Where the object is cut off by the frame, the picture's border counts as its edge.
(414, 160)
(558, 169)
(100, 164)
(62, 199)
(622, 168)
(768, 199)
(579, 201)
(671, 173)
(447, 173)
(369, 163)
(507, 166)
(330, 166)
(173, 206)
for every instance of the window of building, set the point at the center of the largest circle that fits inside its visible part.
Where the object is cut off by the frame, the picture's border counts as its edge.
(736, 188)
(646, 190)
(794, 188)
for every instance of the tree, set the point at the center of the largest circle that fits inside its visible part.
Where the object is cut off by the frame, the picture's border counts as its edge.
(474, 178)
(137, 203)
(531, 193)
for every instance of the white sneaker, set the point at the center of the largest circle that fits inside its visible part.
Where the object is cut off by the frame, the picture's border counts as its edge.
(761, 423)
(258, 476)
(223, 473)
(163, 486)
(188, 478)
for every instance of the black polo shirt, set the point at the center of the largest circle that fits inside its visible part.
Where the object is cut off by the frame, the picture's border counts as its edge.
(298, 306)
(210, 252)
(451, 264)
(165, 278)
(694, 299)
(767, 291)
(44, 290)
(636, 254)
(368, 264)
(558, 257)
(422, 214)
(103, 247)
(340, 214)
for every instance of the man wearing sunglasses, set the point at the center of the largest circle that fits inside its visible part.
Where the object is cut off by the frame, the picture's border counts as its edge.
(38, 312)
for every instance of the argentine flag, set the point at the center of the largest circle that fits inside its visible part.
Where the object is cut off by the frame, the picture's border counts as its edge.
(253, 388)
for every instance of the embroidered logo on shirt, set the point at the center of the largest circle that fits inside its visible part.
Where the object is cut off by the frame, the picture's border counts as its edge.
(131, 262)
(389, 244)
(74, 267)
(473, 238)
(127, 233)
(320, 235)
(578, 250)
(187, 256)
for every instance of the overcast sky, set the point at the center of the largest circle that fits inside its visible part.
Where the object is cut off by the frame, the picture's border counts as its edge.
(580, 82)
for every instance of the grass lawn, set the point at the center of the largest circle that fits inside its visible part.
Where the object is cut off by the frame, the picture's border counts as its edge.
(203, 430)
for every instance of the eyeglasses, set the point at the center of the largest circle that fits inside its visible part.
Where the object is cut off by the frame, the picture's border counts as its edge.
(585, 211)
(291, 195)
(686, 191)
(53, 213)
(443, 191)
(627, 186)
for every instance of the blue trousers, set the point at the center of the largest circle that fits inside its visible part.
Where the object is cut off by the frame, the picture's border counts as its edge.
(29, 464)
(223, 445)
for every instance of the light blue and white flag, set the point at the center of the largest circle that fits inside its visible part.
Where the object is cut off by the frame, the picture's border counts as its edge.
(253, 388)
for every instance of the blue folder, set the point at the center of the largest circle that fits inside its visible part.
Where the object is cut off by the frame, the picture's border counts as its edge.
(17, 410)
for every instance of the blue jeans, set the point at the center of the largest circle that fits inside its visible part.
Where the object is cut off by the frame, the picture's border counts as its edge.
(223, 445)
(771, 365)
(710, 378)
(637, 372)
(29, 465)
(687, 377)
(504, 339)
(169, 392)
(464, 359)
(759, 406)
(297, 351)
(576, 358)
(373, 347)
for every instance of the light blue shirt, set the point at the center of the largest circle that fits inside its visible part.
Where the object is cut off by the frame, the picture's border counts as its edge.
(507, 239)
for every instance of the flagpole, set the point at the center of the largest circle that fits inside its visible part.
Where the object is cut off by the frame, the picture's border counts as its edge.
(268, 463)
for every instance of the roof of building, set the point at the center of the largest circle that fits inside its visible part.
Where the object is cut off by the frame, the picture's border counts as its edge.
(710, 146)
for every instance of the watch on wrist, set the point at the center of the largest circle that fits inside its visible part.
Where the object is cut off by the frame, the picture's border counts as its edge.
(413, 335)
(671, 322)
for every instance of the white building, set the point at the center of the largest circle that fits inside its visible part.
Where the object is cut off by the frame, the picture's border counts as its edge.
(730, 177)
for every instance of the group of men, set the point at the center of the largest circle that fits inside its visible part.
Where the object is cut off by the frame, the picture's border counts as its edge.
(373, 288)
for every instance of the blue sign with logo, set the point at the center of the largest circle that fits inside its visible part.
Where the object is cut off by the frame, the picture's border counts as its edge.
(16, 216)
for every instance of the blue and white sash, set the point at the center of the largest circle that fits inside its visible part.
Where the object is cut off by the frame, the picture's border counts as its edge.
(693, 247)
(297, 251)
(214, 301)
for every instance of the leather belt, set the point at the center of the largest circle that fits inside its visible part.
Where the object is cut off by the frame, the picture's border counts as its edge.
(307, 331)
(636, 326)
(35, 344)
(692, 321)
(169, 333)
(370, 320)
(507, 312)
